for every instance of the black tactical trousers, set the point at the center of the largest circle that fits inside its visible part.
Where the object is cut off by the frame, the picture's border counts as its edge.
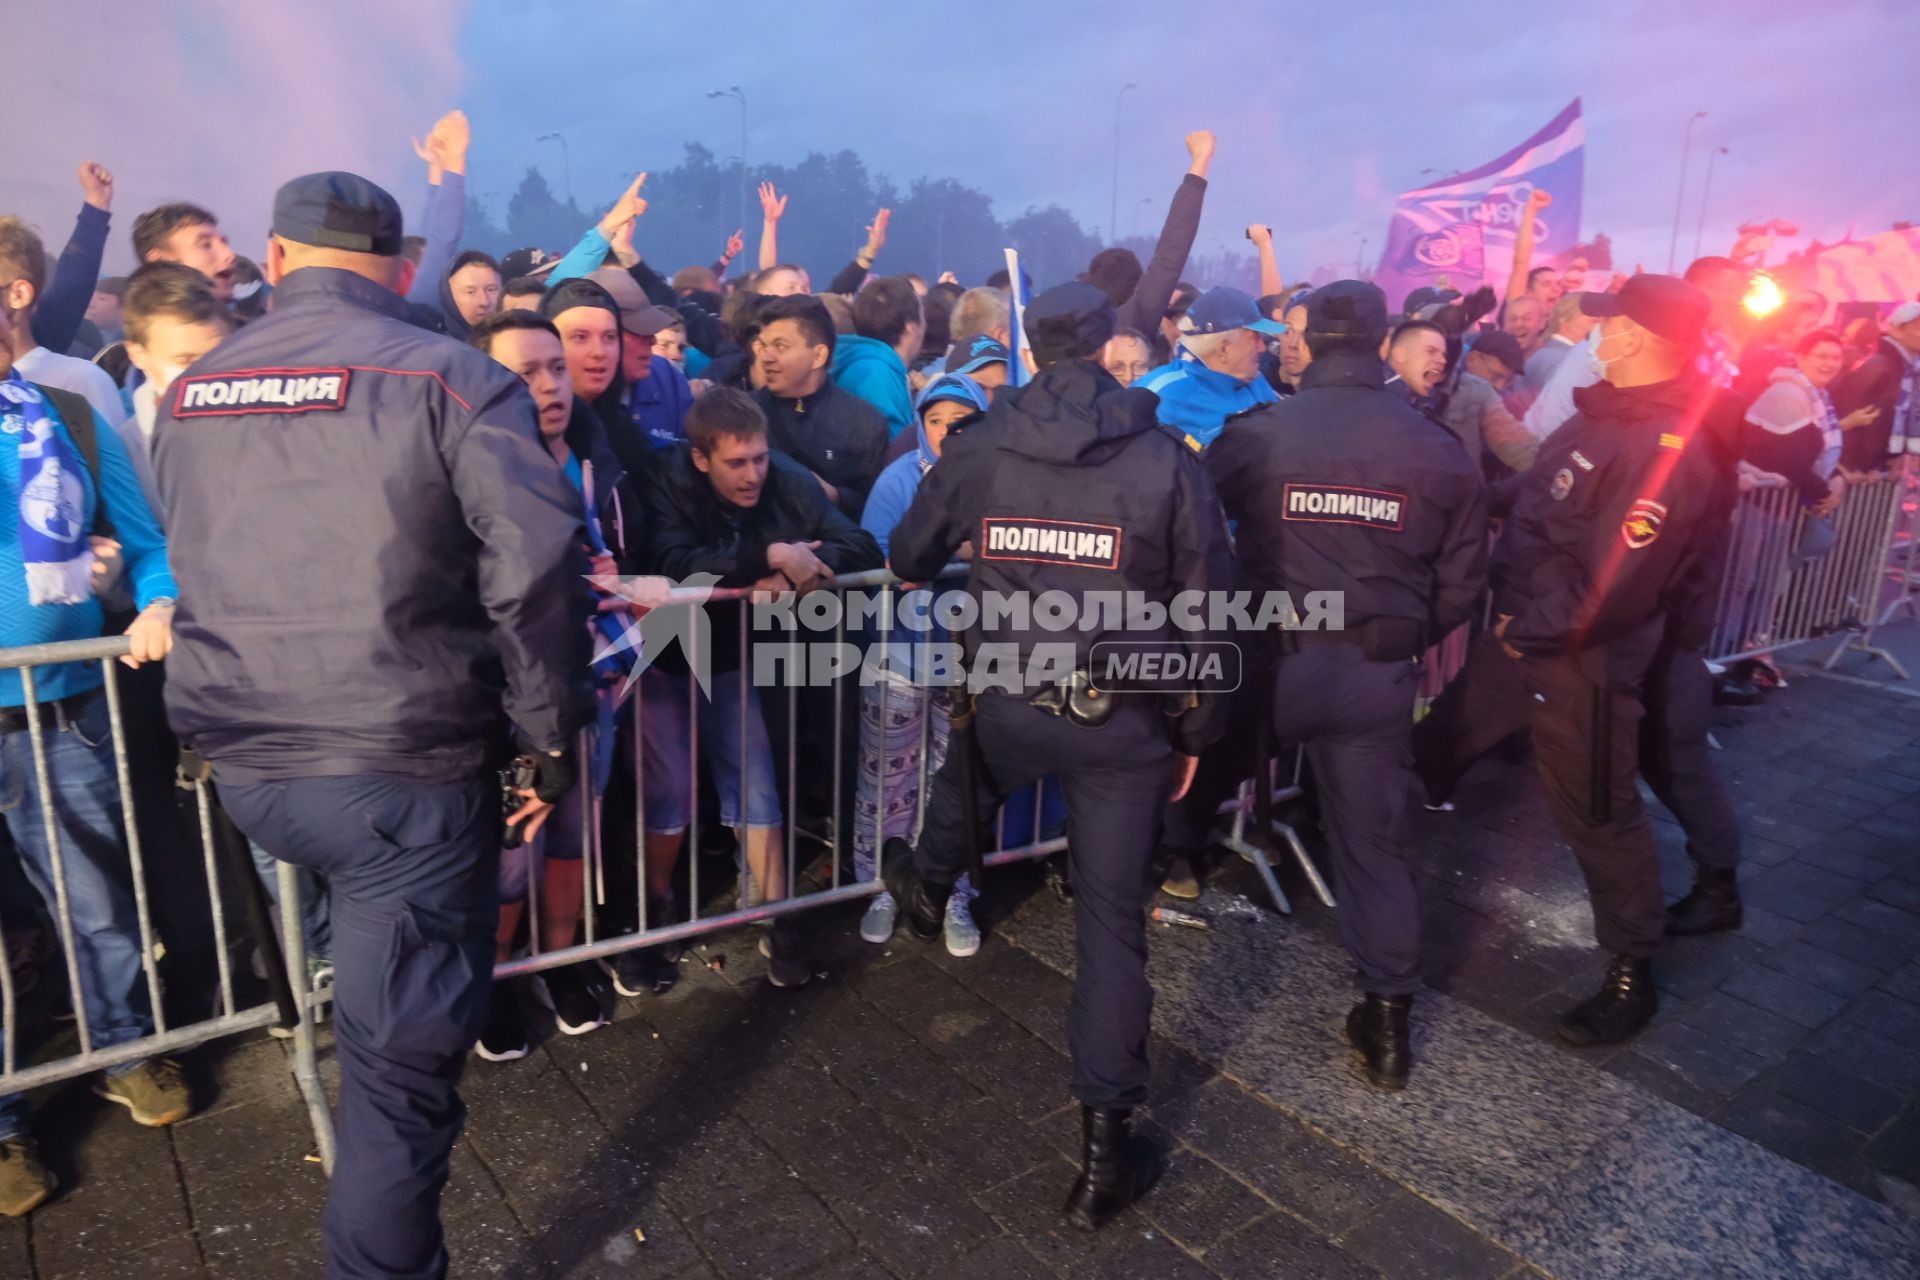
(1116, 780)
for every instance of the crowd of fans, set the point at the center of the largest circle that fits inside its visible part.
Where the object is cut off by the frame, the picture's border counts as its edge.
(738, 424)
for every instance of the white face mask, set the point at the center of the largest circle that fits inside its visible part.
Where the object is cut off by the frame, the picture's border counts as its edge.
(1594, 361)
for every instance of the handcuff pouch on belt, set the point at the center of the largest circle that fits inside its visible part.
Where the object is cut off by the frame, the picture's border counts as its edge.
(1077, 699)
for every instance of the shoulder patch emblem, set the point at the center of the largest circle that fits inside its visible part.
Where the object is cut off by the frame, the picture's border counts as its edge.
(1562, 484)
(1091, 546)
(203, 395)
(1670, 441)
(1642, 525)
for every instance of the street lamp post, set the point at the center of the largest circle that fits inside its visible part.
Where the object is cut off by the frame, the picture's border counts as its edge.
(1679, 197)
(1113, 213)
(566, 160)
(1705, 187)
(733, 91)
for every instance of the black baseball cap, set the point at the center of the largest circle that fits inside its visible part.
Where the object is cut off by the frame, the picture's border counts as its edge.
(1666, 305)
(1503, 347)
(1069, 322)
(336, 210)
(1348, 309)
(527, 262)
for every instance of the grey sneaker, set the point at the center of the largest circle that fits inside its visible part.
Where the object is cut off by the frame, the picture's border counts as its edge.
(154, 1092)
(883, 913)
(25, 1183)
(963, 935)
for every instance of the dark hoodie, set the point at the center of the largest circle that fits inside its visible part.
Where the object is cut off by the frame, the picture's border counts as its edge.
(1069, 484)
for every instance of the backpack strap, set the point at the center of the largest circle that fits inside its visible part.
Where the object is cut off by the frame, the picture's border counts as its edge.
(77, 413)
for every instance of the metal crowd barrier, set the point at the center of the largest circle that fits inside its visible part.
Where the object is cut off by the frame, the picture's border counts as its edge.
(24, 1070)
(296, 999)
(1774, 596)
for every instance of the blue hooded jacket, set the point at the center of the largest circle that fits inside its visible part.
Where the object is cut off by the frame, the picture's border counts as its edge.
(893, 493)
(873, 371)
(1197, 401)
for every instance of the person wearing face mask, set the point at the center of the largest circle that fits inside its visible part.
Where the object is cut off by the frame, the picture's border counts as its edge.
(1612, 543)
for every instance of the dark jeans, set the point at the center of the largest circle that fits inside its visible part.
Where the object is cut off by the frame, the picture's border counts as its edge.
(1116, 779)
(410, 867)
(92, 832)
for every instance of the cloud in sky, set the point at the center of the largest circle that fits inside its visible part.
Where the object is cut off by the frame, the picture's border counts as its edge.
(1323, 112)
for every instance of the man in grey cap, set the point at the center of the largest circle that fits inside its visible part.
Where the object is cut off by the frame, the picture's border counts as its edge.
(382, 584)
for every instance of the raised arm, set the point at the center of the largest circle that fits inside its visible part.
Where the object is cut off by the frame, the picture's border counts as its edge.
(772, 206)
(587, 255)
(1150, 297)
(1523, 243)
(68, 294)
(445, 152)
(1270, 281)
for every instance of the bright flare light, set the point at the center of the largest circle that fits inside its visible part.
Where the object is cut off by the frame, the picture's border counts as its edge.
(1764, 295)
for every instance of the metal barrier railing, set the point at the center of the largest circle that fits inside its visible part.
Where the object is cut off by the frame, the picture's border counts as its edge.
(74, 862)
(296, 996)
(1778, 592)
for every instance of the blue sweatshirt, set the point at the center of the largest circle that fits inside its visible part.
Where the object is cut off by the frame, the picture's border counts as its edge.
(873, 371)
(1197, 401)
(143, 548)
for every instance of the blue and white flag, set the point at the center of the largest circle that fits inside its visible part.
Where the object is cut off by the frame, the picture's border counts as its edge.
(1017, 346)
(1463, 227)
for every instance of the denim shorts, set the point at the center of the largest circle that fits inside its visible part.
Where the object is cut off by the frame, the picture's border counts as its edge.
(666, 769)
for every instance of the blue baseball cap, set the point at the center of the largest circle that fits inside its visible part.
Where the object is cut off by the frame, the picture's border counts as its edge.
(1219, 310)
(980, 353)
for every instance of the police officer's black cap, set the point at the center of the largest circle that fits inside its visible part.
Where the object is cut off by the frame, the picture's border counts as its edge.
(1069, 322)
(1666, 305)
(337, 210)
(1348, 309)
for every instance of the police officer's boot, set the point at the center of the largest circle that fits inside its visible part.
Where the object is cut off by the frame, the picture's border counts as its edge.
(1627, 1002)
(1377, 1028)
(923, 904)
(1713, 905)
(1113, 1174)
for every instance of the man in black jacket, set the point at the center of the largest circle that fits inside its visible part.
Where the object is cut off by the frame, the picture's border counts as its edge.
(1070, 491)
(724, 504)
(835, 434)
(1889, 381)
(382, 576)
(1614, 538)
(1346, 489)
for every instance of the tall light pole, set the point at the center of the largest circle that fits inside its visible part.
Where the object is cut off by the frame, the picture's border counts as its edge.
(1686, 148)
(1705, 188)
(1113, 213)
(566, 160)
(733, 91)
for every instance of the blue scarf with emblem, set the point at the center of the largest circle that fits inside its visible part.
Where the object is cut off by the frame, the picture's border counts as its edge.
(52, 501)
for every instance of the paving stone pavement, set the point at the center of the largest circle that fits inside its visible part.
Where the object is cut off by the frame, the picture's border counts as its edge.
(906, 1115)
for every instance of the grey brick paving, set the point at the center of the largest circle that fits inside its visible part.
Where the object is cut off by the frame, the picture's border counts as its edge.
(907, 1115)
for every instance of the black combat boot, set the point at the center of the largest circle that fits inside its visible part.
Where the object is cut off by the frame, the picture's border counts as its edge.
(923, 904)
(1112, 1173)
(1627, 1002)
(1713, 905)
(1377, 1028)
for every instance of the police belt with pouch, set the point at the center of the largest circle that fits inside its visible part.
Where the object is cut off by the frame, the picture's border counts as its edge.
(1077, 699)
(1380, 639)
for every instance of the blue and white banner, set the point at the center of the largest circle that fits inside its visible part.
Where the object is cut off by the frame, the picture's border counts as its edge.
(1463, 227)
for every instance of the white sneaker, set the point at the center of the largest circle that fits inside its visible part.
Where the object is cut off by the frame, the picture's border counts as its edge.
(963, 935)
(883, 913)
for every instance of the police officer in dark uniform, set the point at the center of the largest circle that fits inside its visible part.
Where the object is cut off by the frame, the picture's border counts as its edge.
(1347, 488)
(382, 575)
(1070, 487)
(1612, 541)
